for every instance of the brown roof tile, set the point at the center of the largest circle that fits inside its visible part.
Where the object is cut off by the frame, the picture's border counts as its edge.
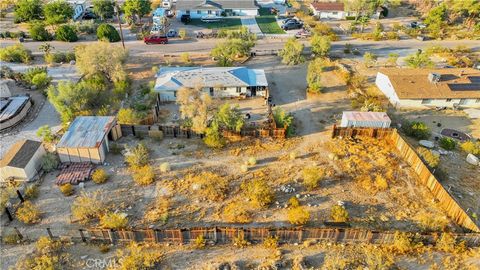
(20, 154)
(332, 6)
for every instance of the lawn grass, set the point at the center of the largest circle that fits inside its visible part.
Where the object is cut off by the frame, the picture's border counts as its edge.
(268, 24)
(226, 23)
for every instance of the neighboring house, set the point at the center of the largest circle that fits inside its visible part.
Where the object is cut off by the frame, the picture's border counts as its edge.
(200, 8)
(449, 87)
(365, 119)
(22, 162)
(13, 109)
(86, 140)
(217, 81)
(329, 10)
(79, 7)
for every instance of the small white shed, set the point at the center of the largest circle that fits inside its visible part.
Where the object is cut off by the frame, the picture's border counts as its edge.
(365, 119)
(22, 161)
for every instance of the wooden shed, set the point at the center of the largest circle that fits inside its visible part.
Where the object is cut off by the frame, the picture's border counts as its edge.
(86, 140)
(22, 162)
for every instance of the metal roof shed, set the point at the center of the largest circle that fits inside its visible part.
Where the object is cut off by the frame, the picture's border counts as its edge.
(365, 119)
(86, 140)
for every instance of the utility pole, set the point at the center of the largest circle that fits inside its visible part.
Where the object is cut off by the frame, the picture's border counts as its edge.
(117, 12)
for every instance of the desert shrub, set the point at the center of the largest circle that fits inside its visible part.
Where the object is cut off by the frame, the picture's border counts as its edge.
(339, 213)
(66, 189)
(271, 242)
(404, 243)
(236, 212)
(244, 168)
(66, 33)
(376, 258)
(41, 81)
(16, 53)
(144, 175)
(200, 242)
(114, 221)
(39, 33)
(50, 162)
(293, 202)
(87, 206)
(165, 167)
(427, 156)
(293, 155)
(137, 256)
(158, 211)
(240, 241)
(182, 33)
(284, 120)
(185, 58)
(431, 222)
(251, 161)
(59, 57)
(447, 143)
(138, 156)
(47, 255)
(28, 213)
(108, 33)
(37, 76)
(311, 177)
(448, 243)
(417, 130)
(258, 192)
(31, 191)
(471, 147)
(11, 238)
(298, 215)
(380, 182)
(210, 186)
(99, 176)
(45, 133)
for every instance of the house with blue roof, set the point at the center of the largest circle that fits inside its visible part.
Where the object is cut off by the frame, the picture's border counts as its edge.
(219, 82)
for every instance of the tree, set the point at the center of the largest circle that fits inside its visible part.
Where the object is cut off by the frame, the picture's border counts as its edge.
(45, 133)
(320, 45)
(103, 8)
(134, 8)
(417, 130)
(370, 59)
(28, 10)
(213, 138)
(66, 33)
(436, 19)
(106, 32)
(128, 116)
(195, 107)
(58, 11)
(103, 58)
(419, 60)
(314, 75)
(39, 33)
(297, 214)
(292, 52)
(448, 143)
(229, 118)
(226, 52)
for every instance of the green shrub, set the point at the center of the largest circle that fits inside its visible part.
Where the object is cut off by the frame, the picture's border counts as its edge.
(427, 155)
(31, 191)
(251, 161)
(66, 189)
(237, 212)
(41, 80)
(66, 33)
(99, 176)
(138, 156)
(50, 162)
(39, 33)
(339, 213)
(471, 147)
(45, 133)
(28, 213)
(417, 130)
(114, 221)
(59, 57)
(15, 54)
(258, 192)
(311, 177)
(447, 143)
(108, 33)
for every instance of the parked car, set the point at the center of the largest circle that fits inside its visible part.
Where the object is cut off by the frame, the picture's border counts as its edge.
(89, 15)
(211, 18)
(288, 20)
(304, 33)
(156, 39)
(172, 33)
(170, 14)
(185, 18)
(292, 25)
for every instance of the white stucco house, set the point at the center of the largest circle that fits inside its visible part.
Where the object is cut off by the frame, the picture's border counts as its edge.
(201, 8)
(423, 88)
(217, 81)
(329, 10)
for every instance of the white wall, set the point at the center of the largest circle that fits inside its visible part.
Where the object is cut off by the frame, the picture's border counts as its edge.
(331, 15)
(195, 15)
(27, 173)
(246, 12)
(383, 83)
(417, 103)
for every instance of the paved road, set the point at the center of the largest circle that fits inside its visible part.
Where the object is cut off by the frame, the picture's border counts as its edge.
(381, 48)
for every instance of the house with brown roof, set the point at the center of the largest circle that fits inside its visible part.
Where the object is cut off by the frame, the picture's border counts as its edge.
(22, 162)
(417, 88)
(328, 10)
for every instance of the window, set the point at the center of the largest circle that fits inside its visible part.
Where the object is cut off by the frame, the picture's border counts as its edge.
(209, 12)
(335, 13)
(426, 101)
(449, 100)
(199, 12)
(187, 12)
(239, 89)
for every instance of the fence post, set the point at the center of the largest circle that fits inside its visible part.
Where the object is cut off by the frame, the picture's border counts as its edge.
(133, 130)
(300, 236)
(50, 233)
(20, 196)
(18, 233)
(110, 235)
(9, 215)
(82, 235)
(215, 234)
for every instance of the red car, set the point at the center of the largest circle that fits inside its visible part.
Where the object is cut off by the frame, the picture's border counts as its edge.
(156, 39)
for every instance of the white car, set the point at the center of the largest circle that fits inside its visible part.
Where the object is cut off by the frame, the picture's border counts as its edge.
(211, 18)
(167, 4)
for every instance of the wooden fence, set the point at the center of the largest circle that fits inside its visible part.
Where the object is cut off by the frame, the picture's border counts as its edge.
(446, 201)
(227, 235)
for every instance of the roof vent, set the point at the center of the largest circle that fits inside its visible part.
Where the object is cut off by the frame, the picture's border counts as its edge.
(434, 77)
